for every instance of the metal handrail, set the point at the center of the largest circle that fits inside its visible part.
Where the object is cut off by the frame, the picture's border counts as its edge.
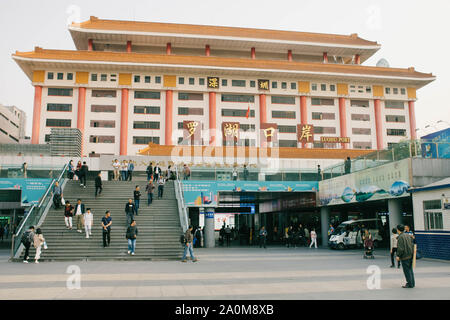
(181, 205)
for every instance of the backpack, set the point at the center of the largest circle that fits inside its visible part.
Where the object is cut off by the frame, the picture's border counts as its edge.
(183, 239)
(27, 238)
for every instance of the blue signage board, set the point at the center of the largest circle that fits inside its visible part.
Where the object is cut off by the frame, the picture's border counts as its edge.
(436, 145)
(32, 189)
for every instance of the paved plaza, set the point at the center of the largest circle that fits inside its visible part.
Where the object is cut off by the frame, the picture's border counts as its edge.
(227, 273)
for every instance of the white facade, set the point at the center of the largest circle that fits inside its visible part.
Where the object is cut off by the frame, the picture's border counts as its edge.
(12, 124)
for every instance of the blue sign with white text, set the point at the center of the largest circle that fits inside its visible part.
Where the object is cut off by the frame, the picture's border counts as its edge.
(32, 189)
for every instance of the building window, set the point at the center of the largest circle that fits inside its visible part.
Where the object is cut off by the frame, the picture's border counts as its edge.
(324, 130)
(362, 145)
(147, 79)
(147, 110)
(190, 96)
(283, 99)
(158, 79)
(322, 102)
(332, 87)
(137, 79)
(237, 113)
(287, 143)
(100, 108)
(104, 93)
(103, 77)
(47, 138)
(145, 125)
(50, 75)
(224, 82)
(60, 76)
(368, 89)
(396, 132)
(113, 77)
(147, 95)
(70, 76)
(238, 83)
(432, 213)
(190, 111)
(390, 104)
(201, 81)
(274, 84)
(293, 85)
(247, 127)
(361, 131)
(359, 103)
(360, 117)
(283, 85)
(66, 123)
(145, 140)
(60, 92)
(180, 80)
(403, 91)
(103, 124)
(59, 107)
(387, 90)
(287, 129)
(323, 116)
(283, 114)
(252, 83)
(237, 98)
(191, 81)
(314, 87)
(102, 139)
(93, 77)
(395, 90)
(323, 87)
(394, 118)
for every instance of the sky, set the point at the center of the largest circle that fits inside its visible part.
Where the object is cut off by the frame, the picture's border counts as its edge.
(412, 33)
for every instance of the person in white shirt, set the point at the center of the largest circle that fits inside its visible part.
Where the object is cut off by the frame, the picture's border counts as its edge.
(88, 220)
(313, 236)
(116, 166)
(79, 211)
(124, 170)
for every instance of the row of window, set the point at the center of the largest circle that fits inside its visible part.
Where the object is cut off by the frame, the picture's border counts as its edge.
(395, 90)
(60, 76)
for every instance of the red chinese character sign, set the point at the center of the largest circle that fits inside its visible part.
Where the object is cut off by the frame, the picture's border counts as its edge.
(230, 131)
(269, 132)
(192, 130)
(305, 133)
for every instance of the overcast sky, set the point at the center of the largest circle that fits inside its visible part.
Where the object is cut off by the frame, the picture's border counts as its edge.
(412, 33)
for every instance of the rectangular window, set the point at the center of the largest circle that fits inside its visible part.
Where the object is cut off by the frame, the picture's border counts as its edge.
(158, 79)
(50, 75)
(237, 113)
(146, 125)
(323, 87)
(287, 143)
(102, 139)
(145, 140)
(237, 98)
(293, 85)
(103, 124)
(191, 81)
(287, 129)
(283, 85)
(323, 116)
(396, 132)
(392, 104)
(433, 215)
(104, 93)
(403, 91)
(238, 83)
(324, 130)
(387, 90)
(283, 114)
(70, 76)
(361, 131)
(66, 123)
(147, 95)
(252, 83)
(362, 145)
(137, 79)
(180, 80)
(201, 81)
(368, 89)
(147, 79)
(224, 82)
(190, 111)
(314, 87)
(59, 107)
(60, 92)
(60, 76)
(146, 110)
(395, 90)
(247, 127)
(359, 103)
(283, 99)
(103, 77)
(274, 84)
(100, 108)
(47, 138)
(322, 102)
(93, 77)
(113, 77)
(394, 118)
(190, 96)
(332, 87)
(360, 117)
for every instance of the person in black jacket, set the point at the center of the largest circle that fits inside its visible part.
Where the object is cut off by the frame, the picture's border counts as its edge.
(98, 184)
(149, 171)
(157, 172)
(137, 198)
(83, 174)
(132, 233)
(129, 211)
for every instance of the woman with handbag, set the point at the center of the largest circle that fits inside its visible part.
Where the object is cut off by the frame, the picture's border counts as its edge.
(38, 241)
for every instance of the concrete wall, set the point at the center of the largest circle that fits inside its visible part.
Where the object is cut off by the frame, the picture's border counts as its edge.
(427, 171)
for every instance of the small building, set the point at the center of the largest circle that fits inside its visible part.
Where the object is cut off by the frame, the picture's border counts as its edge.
(12, 124)
(431, 207)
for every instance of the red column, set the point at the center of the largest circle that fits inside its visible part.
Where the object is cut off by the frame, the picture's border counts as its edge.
(81, 113)
(212, 118)
(169, 115)
(303, 113)
(343, 120)
(378, 123)
(124, 123)
(36, 114)
(357, 59)
(253, 53)
(90, 45)
(128, 46)
(412, 120)
(169, 48)
(325, 57)
(207, 50)
(289, 56)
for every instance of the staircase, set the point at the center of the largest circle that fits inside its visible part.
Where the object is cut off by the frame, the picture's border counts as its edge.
(158, 225)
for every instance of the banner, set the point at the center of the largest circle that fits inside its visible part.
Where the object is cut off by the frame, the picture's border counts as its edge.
(32, 189)
(437, 145)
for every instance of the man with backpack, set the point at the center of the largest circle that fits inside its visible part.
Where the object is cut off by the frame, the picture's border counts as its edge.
(27, 240)
(188, 245)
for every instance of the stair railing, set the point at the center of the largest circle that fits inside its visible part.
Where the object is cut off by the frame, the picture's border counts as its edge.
(182, 212)
(35, 214)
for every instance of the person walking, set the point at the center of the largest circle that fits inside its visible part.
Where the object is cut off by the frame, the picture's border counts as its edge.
(2, 232)
(245, 173)
(394, 241)
(98, 184)
(347, 165)
(330, 230)
(79, 212)
(83, 174)
(157, 172)
(106, 229)
(313, 235)
(319, 173)
(149, 188)
(116, 168)
(130, 170)
(149, 171)
(161, 183)
(186, 172)
(77, 170)
(234, 174)
(137, 199)
(307, 237)
(24, 170)
(130, 209)
(189, 239)
(123, 171)
(405, 252)
(88, 221)
(38, 241)
(70, 170)
(228, 235)
(131, 235)
(68, 214)
(57, 195)
(27, 240)
(262, 237)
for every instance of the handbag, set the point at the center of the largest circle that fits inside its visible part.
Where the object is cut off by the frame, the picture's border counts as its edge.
(63, 202)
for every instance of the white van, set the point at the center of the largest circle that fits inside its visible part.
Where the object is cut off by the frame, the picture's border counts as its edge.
(348, 233)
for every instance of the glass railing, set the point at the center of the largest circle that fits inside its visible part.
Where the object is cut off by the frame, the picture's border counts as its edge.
(34, 215)
(182, 211)
(14, 171)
